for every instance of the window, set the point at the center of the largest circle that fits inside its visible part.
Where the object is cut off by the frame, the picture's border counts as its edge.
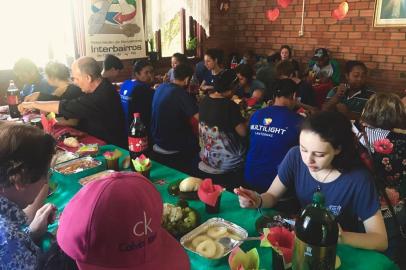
(171, 39)
(38, 30)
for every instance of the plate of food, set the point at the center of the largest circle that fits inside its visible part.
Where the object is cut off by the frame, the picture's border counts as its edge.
(186, 189)
(204, 240)
(179, 219)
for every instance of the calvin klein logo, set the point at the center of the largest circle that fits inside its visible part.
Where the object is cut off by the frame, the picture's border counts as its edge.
(141, 228)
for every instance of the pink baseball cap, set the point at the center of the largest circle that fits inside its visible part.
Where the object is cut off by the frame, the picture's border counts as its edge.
(115, 223)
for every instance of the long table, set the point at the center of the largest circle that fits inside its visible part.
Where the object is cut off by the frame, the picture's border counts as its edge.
(162, 176)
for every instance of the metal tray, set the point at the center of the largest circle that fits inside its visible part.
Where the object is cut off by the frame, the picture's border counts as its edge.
(213, 222)
(68, 155)
(58, 167)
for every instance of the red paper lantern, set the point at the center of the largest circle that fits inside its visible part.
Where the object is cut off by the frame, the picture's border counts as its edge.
(284, 3)
(272, 14)
(340, 12)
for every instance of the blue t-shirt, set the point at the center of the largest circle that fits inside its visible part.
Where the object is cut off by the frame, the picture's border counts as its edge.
(42, 86)
(172, 109)
(273, 131)
(351, 197)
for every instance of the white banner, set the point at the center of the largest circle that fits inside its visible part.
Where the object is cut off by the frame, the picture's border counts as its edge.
(114, 27)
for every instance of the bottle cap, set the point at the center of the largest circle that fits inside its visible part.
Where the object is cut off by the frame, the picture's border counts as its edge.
(318, 198)
(137, 115)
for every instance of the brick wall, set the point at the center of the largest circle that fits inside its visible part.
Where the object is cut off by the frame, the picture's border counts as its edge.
(245, 27)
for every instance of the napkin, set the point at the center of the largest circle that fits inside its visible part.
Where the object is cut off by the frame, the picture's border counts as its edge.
(281, 240)
(239, 260)
(142, 163)
(48, 121)
(251, 101)
(209, 193)
(112, 155)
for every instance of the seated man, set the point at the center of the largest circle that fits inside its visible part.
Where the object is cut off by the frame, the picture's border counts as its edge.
(99, 111)
(324, 68)
(350, 98)
(112, 67)
(27, 73)
(273, 131)
(115, 223)
(174, 123)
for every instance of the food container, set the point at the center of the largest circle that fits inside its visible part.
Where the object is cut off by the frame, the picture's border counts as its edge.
(73, 170)
(213, 222)
(95, 177)
(64, 156)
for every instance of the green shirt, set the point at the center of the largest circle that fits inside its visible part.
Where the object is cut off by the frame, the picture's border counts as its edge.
(356, 102)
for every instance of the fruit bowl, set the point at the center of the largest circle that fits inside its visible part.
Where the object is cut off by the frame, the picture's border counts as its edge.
(203, 240)
(179, 219)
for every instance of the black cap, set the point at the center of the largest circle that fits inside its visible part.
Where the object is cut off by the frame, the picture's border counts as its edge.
(285, 88)
(320, 53)
(225, 81)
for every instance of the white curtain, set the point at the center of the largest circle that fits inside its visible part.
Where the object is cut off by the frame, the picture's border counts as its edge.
(159, 12)
(39, 30)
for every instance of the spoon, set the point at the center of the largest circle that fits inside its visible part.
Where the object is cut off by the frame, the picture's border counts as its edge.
(230, 243)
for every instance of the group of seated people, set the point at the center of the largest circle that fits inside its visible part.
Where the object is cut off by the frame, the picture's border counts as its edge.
(277, 157)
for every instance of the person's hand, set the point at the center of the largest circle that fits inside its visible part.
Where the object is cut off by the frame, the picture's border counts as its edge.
(26, 106)
(206, 88)
(247, 198)
(43, 217)
(341, 89)
(33, 97)
(296, 80)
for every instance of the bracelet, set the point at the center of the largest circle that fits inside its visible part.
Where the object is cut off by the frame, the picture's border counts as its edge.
(260, 200)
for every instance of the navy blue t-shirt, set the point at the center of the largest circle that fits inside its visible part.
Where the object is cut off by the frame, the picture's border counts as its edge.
(273, 131)
(136, 96)
(351, 197)
(172, 109)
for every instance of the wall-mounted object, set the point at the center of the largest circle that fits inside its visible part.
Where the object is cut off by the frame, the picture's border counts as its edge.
(223, 6)
(341, 11)
(390, 13)
(284, 3)
(272, 14)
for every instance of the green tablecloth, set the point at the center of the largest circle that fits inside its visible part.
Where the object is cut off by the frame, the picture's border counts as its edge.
(230, 210)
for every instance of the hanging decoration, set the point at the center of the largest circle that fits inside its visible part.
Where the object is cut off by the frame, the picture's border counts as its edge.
(272, 14)
(340, 12)
(223, 6)
(284, 3)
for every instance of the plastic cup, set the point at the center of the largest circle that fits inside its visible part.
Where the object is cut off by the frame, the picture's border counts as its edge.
(214, 209)
(145, 173)
(112, 164)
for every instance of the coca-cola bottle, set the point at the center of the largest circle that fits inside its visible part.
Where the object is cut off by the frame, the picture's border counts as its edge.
(234, 63)
(316, 237)
(137, 137)
(13, 100)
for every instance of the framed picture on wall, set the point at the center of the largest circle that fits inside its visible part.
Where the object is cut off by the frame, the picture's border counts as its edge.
(390, 13)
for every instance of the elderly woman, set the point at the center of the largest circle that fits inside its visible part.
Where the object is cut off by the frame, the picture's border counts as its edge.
(58, 76)
(25, 156)
(384, 123)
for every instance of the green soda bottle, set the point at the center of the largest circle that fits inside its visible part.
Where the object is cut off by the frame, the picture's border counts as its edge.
(316, 237)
